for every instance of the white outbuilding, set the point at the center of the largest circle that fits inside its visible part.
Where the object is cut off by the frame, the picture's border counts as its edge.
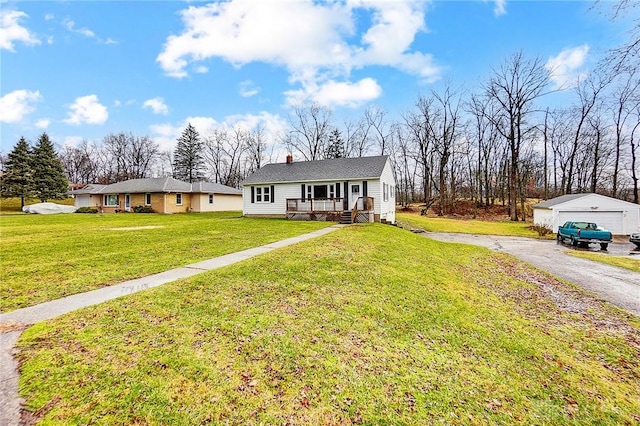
(618, 216)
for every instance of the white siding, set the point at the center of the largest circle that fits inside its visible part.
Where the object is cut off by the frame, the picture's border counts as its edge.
(278, 207)
(388, 208)
(544, 217)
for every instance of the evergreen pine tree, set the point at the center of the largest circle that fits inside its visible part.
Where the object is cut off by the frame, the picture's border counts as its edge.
(17, 179)
(335, 147)
(188, 162)
(49, 179)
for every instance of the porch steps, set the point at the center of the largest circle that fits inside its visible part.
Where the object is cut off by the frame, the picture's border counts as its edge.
(345, 218)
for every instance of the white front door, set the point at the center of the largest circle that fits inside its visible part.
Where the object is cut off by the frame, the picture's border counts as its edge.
(355, 191)
(127, 202)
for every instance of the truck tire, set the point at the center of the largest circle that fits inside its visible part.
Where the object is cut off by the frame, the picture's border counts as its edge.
(603, 246)
(573, 241)
(559, 238)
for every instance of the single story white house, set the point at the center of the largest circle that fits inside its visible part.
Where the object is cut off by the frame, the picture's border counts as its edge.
(618, 216)
(164, 195)
(342, 189)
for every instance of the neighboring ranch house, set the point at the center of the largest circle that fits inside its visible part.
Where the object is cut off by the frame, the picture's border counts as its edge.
(163, 195)
(343, 189)
(618, 216)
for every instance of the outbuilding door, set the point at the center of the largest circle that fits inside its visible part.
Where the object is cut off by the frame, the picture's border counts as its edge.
(611, 221)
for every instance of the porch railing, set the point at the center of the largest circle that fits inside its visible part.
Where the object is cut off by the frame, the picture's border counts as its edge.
(315, 205)
(362, 204)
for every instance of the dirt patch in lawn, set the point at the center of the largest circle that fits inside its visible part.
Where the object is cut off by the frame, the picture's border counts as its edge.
(135, 228)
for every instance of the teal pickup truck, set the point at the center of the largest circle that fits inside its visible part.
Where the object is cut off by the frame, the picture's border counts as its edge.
(584, 233)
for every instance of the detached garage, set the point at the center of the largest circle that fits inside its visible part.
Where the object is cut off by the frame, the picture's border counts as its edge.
(619, 217)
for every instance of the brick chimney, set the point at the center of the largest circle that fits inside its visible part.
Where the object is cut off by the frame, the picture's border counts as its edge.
(289, 159)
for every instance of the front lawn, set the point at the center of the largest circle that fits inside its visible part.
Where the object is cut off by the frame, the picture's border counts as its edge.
(46, 257)
(367, 325)
(468, 226)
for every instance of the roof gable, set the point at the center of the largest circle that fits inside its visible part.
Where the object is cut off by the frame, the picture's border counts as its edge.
(320, 170)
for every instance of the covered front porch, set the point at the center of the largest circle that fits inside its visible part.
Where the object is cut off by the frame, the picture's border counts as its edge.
(331, 209)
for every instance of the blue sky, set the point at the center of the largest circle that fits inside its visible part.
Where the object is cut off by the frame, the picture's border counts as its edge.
(83, 69)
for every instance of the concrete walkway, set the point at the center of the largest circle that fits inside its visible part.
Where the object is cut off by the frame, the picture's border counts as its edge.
(18, 320)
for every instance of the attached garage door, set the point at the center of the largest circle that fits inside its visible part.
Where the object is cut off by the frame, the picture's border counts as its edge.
(611, 221)
(82, 200)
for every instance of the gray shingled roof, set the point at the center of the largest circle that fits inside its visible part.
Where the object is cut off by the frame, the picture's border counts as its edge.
(321, 170)
(91, 188)
(559, 200)
(165, 184)
(214, 188)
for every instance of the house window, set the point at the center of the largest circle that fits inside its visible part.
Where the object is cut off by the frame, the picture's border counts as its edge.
(385, 193)
(147, 199)
(309, 192)
(210, 198)
(332, 191)
(320, 191)
(111, 200)
(178, 199)
(263, 194)
(355, 189)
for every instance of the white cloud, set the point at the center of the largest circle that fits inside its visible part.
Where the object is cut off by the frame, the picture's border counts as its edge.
(166, 135)
(500, 7)
(201, 69)
(248, 89)
(333, 93)
(72, 141)
(11, 31)
(315, 41)
(565, 69)
(87, 110)
(49, 17)
(157, 105)
(43, 123)
(273, 124)
(15, 105)
(71, 26)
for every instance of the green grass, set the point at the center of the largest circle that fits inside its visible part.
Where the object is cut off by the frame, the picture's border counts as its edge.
(46, 257)
(464, 226)
(619, 261)
(367, 325)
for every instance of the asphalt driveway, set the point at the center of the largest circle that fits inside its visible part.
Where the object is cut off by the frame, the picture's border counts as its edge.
(618, 286)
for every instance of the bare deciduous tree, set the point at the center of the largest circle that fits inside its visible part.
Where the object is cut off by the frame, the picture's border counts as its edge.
(309, 131)
(515, 87)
